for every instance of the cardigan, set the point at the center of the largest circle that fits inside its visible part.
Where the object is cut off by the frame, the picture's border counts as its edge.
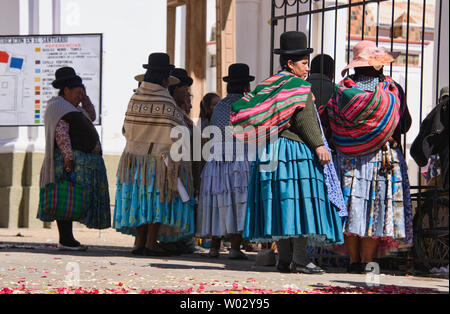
(57, 108)
(304, 126)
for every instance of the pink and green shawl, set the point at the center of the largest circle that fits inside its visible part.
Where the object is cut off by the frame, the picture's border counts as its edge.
(362, 122)
(269, 107)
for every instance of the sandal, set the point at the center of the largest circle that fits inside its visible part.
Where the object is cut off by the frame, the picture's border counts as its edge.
(355, 268)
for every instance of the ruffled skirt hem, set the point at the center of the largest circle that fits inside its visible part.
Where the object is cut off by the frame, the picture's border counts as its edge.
(291, 200)
(138, 204)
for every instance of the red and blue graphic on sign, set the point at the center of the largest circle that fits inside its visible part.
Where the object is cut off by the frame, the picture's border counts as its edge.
(4, 57)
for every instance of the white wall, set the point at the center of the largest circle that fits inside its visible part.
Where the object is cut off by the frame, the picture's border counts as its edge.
(180, 37)
(211, 85)
(247, 13)
(10, 13)
(9, 17)
(253, 37)
(131, 30)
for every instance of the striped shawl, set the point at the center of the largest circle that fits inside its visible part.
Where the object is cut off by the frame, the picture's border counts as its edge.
(362, 122)
(270, 105)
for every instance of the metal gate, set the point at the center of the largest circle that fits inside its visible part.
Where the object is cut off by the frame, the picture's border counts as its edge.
(409, 26)
(366, 19)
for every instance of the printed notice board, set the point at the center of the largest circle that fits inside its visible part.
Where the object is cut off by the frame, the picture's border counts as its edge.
(27, 70)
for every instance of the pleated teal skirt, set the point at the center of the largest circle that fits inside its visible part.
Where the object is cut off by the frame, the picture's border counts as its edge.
(137, 204)
(289, 199)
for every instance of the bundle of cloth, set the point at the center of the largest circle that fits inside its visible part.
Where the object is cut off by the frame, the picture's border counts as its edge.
(362, 121)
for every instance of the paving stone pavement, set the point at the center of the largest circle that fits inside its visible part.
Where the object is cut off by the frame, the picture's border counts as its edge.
(29, 258)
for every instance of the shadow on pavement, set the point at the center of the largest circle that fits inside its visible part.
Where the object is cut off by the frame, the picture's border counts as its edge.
(120, 251)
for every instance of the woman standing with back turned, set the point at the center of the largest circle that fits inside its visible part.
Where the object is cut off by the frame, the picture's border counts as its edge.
(148, 201)
(367, 116)
(289, 201)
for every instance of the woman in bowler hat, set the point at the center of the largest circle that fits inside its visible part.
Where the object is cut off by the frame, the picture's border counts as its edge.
(148, 200)
(223, 190)
(292, 203)
(77, 152)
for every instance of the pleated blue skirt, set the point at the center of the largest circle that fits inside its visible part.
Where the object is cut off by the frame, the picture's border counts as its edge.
(289, 198)
(137, 204)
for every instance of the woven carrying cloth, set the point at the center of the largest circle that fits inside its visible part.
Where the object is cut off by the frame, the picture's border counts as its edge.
(362, 122)
(150, 117)
(269, 107)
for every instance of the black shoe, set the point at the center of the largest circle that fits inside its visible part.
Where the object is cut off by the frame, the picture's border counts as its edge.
(172, 248)
(138, 251)
(72, 246)
(283, 267)
(310, 269)
(356, 268)
(156, 253)
(71, 242)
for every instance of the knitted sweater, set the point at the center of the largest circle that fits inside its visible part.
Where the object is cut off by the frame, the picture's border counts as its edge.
(304, 126)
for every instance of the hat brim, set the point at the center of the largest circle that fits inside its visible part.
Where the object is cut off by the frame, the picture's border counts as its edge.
(293, 52)
(172, 79)
(139, 78)
(63, 82)
(227, 79)
(361, 63)
(156, 68)
(185, 81)
(189, 81)
(355, 64)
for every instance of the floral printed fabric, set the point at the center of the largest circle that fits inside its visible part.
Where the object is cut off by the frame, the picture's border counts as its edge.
(379, 205)
(63, 139)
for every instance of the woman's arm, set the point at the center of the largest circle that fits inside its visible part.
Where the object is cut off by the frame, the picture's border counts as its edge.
(88, 107)
(307, 124)
(62, 138)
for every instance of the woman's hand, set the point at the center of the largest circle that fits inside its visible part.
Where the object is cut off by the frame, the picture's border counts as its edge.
(88, 106)
(68, 165)
(85, 100)
(323, 155)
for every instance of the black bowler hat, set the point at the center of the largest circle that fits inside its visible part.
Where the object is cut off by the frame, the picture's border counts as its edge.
(158, 61)
(238, 72)
(66, 77)
(182, 75)
(293, 43)
(328, 64)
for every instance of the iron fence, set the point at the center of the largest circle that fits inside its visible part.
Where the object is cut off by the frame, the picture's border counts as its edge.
(410, 26)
